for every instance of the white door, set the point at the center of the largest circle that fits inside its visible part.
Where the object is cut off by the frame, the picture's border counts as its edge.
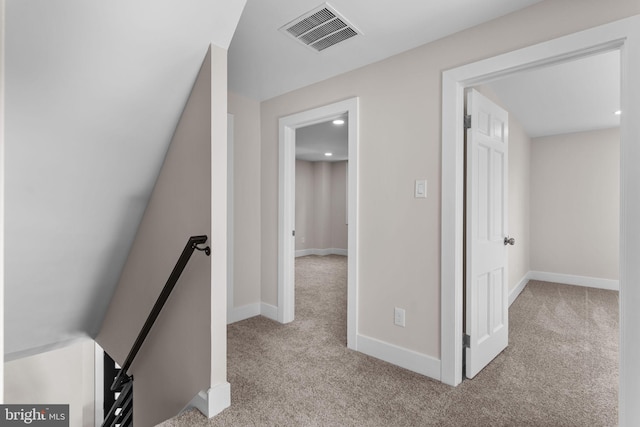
(487, 316)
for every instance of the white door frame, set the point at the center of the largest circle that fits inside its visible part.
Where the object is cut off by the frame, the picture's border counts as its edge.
(98, 384)
(286, 212)
(623, 35)
(230, 215)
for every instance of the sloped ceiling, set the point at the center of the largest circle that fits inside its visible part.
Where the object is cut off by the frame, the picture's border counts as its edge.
(94, 90)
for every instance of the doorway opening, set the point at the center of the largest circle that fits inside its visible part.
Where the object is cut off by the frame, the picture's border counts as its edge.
(562, 206)
(321, 225)
(322, 159)
(288, 127)
(619, 35)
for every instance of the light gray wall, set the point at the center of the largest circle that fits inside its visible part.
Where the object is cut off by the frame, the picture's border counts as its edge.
(575, 199)
(62, 376)
(180, 207)
(519, 202)
(305, 206)
(1, 199)
(400, 105)
(339, 232)
(246, 221)
(321, 205)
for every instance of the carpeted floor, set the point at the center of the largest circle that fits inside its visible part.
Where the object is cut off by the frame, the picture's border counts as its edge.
(560, 369)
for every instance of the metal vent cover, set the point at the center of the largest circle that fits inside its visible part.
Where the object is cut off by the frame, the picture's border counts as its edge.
(320, 28)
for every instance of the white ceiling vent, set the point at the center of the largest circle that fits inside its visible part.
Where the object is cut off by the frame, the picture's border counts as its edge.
(320, 28)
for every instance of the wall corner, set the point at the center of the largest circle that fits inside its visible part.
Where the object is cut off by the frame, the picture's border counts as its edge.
(213, 401)
(219, 220)
(2, 112)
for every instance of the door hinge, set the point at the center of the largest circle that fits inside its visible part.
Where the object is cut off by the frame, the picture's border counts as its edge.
(466, 340)
(467, 121)
(293, 233)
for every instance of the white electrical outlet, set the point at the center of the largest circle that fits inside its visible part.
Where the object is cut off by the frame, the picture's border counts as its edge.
(398, 316)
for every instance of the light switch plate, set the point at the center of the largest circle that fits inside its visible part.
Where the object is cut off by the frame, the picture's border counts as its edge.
(420, 189)
(398, 316)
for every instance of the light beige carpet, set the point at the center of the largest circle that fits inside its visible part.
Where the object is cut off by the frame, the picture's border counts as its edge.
(560, 368)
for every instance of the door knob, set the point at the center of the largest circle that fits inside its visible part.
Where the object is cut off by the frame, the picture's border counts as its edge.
(509, 241)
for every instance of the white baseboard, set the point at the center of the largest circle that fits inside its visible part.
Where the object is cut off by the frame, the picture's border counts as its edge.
(269, 311)
(399, 356)
(569, 279)
(565, 279)
(248, 311)
(237, 314)
(321, 252)
(305, 252)
(213, 401)
(513, 294)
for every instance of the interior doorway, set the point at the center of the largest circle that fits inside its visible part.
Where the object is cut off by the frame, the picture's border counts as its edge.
(286, 221)
(562, 203)
(322, 158)
(615, 36)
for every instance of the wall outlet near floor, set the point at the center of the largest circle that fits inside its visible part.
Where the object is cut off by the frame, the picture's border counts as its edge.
(398, 316)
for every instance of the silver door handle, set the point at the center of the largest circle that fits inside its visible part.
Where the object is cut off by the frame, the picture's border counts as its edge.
(509, 241)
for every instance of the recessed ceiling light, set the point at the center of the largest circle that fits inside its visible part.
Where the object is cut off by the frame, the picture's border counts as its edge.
(328, 154)
(338, 122)
(617, 113)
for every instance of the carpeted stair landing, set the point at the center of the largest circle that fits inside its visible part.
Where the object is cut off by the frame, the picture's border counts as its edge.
(560, 369)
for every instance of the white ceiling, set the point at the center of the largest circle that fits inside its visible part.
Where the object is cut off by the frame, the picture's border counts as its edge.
(264, 62)
(312, 142)
(580, 95)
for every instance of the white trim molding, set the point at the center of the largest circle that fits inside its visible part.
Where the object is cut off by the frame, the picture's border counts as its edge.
(321, 252)
(513, 293)
(564, 279)
(400, 356)
(213, 401)
(236, 314)
(269, 311)
(571, 279)
(98, 383)
(286, 209)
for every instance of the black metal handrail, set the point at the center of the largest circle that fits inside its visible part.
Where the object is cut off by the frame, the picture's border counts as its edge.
(122, 377)
(121, 413)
